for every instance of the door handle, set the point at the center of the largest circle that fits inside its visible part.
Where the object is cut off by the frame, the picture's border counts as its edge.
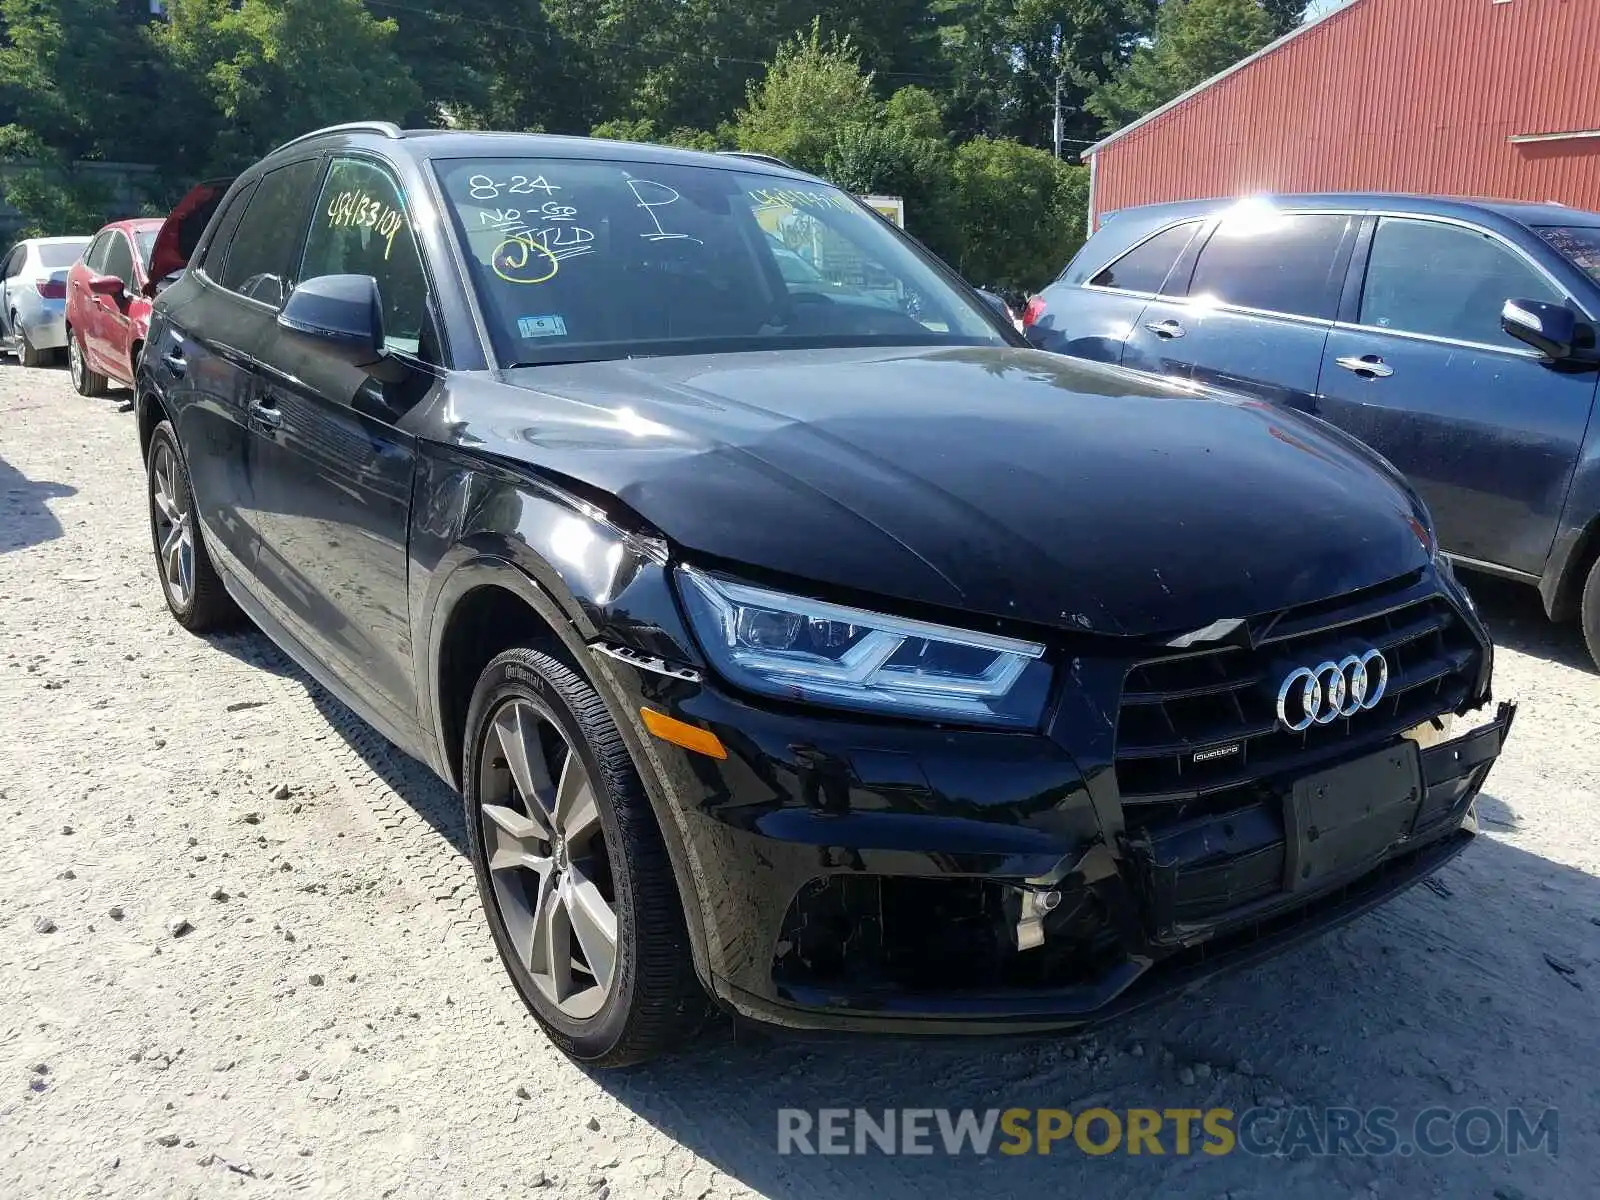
(1368, 366)
(176, 362)
(265, 416)
(1165, 329)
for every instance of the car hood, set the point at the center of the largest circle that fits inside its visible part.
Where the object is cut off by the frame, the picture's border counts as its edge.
(1007, 482)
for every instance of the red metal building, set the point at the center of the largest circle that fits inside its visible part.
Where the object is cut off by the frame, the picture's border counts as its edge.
(1453, 97)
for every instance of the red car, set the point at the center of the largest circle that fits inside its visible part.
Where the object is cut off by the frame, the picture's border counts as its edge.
(108, 306)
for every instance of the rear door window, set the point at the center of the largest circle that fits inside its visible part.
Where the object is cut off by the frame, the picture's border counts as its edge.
(1447, 281)
(1146, 267)
(260, 257)
(1272, 261)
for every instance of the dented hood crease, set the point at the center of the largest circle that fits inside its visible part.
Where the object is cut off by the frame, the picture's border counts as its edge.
(1003, 482)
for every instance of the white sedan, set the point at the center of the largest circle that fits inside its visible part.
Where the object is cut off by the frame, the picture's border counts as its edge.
(33, 297)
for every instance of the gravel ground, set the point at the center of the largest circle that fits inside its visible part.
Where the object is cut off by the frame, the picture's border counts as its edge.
(240, 951)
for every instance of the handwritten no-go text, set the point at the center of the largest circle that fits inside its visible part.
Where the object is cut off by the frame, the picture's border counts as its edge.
(353, 210)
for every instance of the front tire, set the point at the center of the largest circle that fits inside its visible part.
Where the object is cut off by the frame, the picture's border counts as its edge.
(194, 591)
(86, 382)
(571, 866)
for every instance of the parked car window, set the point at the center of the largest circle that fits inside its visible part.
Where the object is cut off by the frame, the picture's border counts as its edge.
(258, 261)
(1580, 244)
(361, 226)
(1445, 281)
(14, 261)
(95, 256)
(1277, 262)
(1146, 267)
(145, 241)
(119, 259)
(55, 255)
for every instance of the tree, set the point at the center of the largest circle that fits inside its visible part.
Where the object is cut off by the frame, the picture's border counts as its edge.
(274, 69)
(1194, 39)
(65, 68)
(1020, 214)
(814, 91)
(644, 130)
(1006, 56)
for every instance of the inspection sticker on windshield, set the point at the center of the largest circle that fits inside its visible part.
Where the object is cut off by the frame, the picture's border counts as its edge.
(540, 327)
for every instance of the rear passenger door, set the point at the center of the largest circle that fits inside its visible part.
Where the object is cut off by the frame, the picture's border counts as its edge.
(208, 346)
(1256, 311)
(1484, 427)
(1093, 320)
(335, 467)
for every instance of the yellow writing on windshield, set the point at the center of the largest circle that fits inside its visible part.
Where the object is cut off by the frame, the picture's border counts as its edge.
(797, 198)
(521, 259)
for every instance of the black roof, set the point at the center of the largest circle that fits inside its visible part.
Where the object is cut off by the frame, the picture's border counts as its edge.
(454, 143)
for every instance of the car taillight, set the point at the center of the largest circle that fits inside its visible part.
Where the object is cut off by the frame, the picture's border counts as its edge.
(52, 289)
(1033, 312)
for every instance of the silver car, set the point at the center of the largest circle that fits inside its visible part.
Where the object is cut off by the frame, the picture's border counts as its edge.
(33, 297)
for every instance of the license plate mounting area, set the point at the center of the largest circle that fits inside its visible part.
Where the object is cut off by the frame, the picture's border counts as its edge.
(1339, 818)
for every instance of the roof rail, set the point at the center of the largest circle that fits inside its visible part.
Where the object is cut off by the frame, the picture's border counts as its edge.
(387, 128)
(758, 157)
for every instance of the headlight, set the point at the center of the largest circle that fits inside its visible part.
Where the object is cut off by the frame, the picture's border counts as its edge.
(810, 650)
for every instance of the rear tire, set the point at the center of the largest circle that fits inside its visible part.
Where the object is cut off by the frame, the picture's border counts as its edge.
(585, 842)
(193, 590)
(26, 354)
(1590, 612)
(86, 382)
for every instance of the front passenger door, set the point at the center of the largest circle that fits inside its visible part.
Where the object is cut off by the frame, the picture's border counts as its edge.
(336, 469)
(1486, 430)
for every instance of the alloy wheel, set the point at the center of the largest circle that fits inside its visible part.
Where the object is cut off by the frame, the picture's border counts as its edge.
(75, 361)
(546, 851)
(174, 525)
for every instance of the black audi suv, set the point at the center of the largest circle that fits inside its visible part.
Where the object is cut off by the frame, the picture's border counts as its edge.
(798, 638)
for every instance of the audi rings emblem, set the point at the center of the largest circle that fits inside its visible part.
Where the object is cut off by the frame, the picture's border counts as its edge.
(1321, 695)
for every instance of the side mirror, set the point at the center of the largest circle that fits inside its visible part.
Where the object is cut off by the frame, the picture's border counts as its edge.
(342, 316)
(1552, 329)
(107, 285)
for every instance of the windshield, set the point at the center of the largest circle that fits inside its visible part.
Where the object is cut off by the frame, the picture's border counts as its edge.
(54, 255)
(145, 240)
(581, 259)
(1578, 243)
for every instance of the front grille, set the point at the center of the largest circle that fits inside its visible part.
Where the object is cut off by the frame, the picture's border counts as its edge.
(1190, 702)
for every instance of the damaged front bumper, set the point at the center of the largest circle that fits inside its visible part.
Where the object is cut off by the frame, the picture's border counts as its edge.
(891, 879)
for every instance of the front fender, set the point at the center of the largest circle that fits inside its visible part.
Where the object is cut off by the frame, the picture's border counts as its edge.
(586, 578)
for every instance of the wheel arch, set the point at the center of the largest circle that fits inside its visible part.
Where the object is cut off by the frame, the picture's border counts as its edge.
(490, 602)
(150, 411)
(1562, 587)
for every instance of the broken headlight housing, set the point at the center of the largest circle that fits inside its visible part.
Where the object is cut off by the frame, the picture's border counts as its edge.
(815, 652)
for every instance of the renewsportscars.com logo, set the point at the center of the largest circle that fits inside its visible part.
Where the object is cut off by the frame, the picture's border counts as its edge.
(1264, 1132)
